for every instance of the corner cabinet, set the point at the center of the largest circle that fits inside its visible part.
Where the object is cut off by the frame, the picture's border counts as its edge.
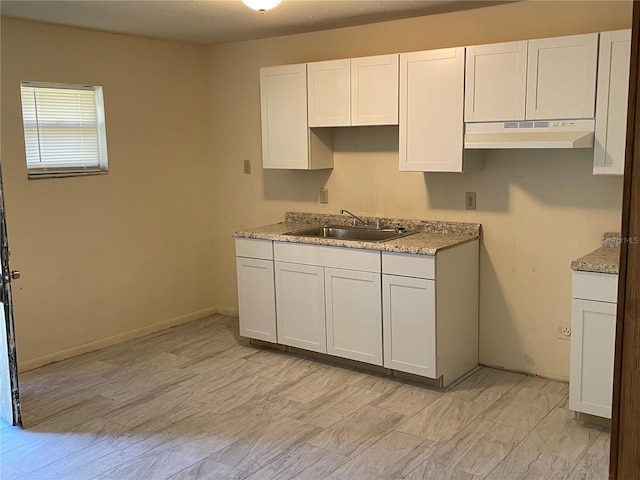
(593, 332)
(611, 103)
(431, 110)
(287, 141)
(353, 92)
(430, 312)
(256, 289)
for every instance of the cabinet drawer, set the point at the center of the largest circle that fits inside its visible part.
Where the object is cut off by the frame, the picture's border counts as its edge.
(336, 257)
(602, 287)
(253, 248)
(407, 265)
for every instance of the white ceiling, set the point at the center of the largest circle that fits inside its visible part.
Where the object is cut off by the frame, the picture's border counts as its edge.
(221, 21)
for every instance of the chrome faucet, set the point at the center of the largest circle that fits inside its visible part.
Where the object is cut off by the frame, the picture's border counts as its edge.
(356, 218)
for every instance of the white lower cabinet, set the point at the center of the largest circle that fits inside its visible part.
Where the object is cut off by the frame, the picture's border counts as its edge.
(327, 309)
(256, 289)
(300, 306)
(409, 324)
(593, 331)
(410, 313)
(354, 316)
(430, 312)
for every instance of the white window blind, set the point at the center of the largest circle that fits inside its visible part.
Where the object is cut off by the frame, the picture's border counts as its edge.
(64, 129)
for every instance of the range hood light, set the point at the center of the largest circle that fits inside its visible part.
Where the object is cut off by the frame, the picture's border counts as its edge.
(261, 5)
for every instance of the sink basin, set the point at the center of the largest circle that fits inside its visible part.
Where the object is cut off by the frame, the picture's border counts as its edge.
(350, 233)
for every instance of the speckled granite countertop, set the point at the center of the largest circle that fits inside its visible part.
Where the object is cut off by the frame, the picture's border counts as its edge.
(603, 260)
(430, 237)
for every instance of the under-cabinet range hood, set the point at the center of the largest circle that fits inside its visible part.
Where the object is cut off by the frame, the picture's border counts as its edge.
(530, 134)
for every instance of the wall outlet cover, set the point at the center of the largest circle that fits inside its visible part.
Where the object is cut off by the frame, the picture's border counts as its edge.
(324, 195)
(470, 200)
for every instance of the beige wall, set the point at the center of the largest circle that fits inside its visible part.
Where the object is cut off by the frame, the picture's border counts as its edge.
(539, 210)
(108, 255)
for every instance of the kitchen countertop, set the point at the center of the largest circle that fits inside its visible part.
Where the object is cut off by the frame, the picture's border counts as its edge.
(602, 260)
(430, 237)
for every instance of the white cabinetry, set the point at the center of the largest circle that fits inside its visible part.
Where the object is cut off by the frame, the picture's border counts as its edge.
(431, 110)
(593, 330)
(300, 306)
(430, 312)
(354, 316)
(329, 96)
(352, 92)
(374, 90)
(256, 290)
(611, 103)
(496, 82)
(561, 77)
(328, 300)
(287, 142)
(410, 324)
(544, 79)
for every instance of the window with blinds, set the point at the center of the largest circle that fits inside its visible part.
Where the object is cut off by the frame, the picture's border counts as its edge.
(64, 129)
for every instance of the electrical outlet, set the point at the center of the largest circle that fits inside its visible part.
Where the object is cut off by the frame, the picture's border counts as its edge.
(470, 200)
(247, 166)
(324, 195)
(564, 332)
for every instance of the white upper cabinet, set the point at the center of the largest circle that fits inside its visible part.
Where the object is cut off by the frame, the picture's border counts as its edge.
(431, 110)
(287, 142)
(374, 90)
(329, 93)
(357, 91)
(496, 82)
(611, 103)
(561, 77)
(545, 79)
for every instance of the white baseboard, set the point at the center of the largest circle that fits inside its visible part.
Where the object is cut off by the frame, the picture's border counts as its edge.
(107, 342)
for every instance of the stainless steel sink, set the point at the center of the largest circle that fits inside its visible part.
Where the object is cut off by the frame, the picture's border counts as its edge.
(350, 233)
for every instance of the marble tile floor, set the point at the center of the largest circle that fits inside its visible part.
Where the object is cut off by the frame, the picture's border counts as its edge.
(198, 402)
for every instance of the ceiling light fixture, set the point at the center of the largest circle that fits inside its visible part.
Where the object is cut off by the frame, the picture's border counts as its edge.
(261, 5)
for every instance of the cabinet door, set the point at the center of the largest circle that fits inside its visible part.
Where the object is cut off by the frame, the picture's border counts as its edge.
(256, 299)
(329, 94)
(431, 110)
(611, 103)
(354, 317)
(283, 98)
(561, 77)
(593, 331)
(409, 320)
(300, 306)
(496, 82)
(374, 90)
